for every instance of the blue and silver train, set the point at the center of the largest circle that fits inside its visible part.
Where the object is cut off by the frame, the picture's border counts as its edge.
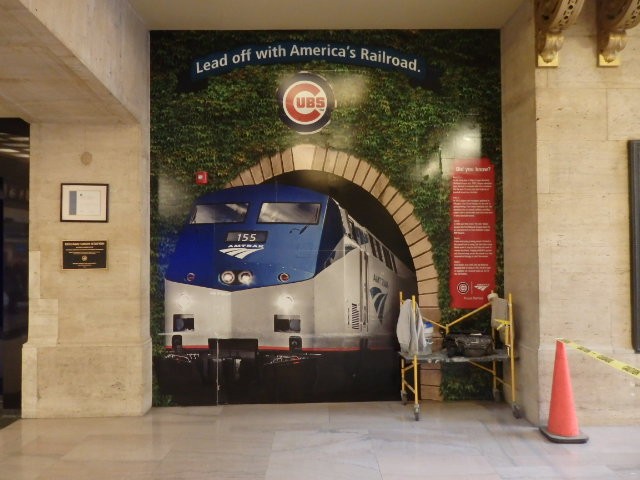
(282, 273)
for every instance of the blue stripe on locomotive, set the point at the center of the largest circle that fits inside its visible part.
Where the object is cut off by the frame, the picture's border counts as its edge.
(299, 250)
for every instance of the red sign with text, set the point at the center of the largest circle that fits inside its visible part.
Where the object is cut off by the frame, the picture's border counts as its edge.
(473, 233)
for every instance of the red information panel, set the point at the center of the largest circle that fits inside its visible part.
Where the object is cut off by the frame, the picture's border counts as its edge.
(473, 233)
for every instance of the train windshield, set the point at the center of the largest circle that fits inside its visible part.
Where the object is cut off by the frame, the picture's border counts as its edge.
(289, 212)
(220, 213)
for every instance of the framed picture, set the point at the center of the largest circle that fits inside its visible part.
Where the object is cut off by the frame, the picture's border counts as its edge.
(634, 210)
(84, 202)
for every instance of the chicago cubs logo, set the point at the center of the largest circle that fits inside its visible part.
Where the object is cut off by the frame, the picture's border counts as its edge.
(306, 101)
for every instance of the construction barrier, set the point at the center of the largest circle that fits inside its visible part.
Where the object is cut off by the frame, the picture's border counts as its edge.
(563, 423)
(612, 362)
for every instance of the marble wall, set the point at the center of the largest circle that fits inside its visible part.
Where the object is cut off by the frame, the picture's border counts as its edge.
(520, 203)
(566, 214)
(85, 79)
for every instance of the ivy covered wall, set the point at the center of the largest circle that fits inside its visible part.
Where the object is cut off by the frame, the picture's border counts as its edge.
(405, 127)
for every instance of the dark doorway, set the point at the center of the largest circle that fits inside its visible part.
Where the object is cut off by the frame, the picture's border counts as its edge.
(14, 200)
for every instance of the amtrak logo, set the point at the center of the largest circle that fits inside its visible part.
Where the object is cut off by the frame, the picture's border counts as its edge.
(379, 299)
(239, 251)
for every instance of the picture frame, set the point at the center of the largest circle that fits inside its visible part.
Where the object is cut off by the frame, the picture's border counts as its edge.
(84, 202)
(634, 227)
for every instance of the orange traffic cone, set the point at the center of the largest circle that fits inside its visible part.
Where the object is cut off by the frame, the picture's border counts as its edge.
(563, 423)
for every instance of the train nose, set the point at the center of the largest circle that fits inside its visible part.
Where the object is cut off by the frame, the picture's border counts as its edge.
(285, 302)
(234, 277)
(295, 344)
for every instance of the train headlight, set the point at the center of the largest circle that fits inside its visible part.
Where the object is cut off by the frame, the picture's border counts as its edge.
(285, 303)
(245, 277)
(227, 277)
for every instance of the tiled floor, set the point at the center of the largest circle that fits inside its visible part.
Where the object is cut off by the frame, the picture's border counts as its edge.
(375, 440)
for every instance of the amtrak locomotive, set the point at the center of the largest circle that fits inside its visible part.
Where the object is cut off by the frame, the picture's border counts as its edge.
(273, 275)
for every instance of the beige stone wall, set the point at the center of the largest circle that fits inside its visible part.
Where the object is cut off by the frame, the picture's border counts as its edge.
(108, 39)
(520, 213)
(566, 171)
(88, 352)
(89, 349)
(584, 218)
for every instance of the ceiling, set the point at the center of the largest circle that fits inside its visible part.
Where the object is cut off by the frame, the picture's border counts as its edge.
(330, 14)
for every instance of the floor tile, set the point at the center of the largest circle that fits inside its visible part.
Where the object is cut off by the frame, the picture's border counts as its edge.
(350, 441)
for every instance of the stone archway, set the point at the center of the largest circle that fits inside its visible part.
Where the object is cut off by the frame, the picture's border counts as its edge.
(361, 173)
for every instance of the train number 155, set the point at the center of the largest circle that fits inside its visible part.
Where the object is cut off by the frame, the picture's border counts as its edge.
(247, 237)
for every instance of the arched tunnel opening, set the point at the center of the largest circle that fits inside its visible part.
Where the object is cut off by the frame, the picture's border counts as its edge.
(363, 206)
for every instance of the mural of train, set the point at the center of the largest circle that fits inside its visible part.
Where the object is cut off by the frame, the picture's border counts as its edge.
(270, 284)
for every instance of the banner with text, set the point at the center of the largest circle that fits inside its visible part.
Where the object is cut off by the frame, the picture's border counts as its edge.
(291, 52)
(473, 233)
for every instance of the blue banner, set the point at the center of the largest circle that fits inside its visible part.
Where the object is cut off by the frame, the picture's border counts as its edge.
(292, 52)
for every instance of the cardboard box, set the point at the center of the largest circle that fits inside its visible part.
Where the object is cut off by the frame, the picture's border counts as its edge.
(430, 392)
(430, 379)
(436, 346)
(430, 376)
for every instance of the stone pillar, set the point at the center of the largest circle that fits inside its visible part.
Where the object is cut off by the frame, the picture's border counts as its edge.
(88, 352)
(81, 79)
(520, 180)
(566, 216)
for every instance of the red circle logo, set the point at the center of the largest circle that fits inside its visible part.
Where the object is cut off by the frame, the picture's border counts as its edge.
(306, 102)
(463, 287)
